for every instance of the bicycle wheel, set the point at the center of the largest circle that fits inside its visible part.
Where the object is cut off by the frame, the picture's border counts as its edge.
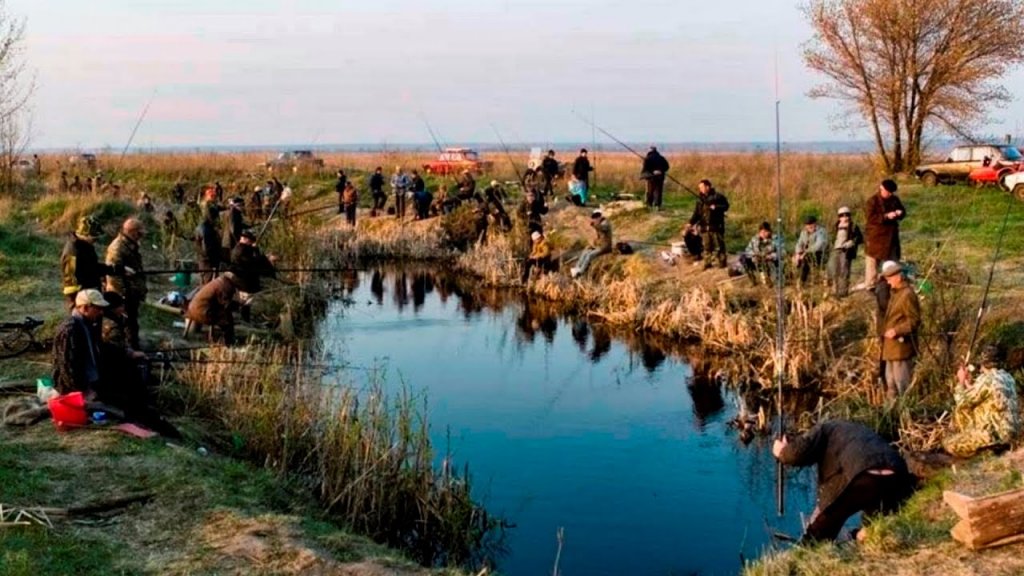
(14, 343)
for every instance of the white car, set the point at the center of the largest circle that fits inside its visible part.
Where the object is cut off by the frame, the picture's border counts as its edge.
(1014, 182)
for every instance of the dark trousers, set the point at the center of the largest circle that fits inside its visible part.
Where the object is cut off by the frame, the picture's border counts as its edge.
(350, 213)
(758, 269)
(839, 271)
(379, 200)
(209, 270)
(132, 303)
(694, 245)
(400, 204)
(655, 187)
(549, 185)
(810, 260)
(542, 264)
(868, 493)
(714, 247)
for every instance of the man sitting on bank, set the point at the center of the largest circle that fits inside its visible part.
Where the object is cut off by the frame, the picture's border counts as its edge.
(987, 413)
(858, 471)
(540, 256)
(759, 259)
(602, 243)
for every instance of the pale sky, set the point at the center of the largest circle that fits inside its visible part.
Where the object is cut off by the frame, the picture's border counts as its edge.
(253, 72)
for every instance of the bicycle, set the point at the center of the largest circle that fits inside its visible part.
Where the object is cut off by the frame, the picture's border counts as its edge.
(16, 338)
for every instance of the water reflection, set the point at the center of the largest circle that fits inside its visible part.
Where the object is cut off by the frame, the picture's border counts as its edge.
(621, 438)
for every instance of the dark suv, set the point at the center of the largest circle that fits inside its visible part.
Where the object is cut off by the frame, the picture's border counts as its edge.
(963, 159)
(295, 160)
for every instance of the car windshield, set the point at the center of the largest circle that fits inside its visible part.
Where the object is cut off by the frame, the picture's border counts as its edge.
(471, 156)
(1011, 153)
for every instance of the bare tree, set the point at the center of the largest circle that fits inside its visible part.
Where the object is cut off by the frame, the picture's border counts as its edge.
(910, 68)
(16, 89)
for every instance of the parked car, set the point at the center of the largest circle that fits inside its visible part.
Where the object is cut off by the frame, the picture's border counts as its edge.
(24, 166)
(85, 160)
(1014, 182)
(957, 167)
(294, 160)
(456, 160)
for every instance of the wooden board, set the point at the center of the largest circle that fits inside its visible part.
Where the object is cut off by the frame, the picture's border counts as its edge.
(987, 521)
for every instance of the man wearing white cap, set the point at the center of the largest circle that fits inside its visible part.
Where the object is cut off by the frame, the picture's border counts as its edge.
(899, 331)
(844, 251)
(540, 256)
(76, 346)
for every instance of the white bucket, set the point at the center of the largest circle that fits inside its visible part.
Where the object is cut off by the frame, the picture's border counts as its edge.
(678, 248)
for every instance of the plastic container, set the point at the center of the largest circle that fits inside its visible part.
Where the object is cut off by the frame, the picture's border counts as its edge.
(678, 248)
(68, 411)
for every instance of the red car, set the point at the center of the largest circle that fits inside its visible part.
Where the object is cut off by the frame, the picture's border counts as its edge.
(992, 172)
(454, 160)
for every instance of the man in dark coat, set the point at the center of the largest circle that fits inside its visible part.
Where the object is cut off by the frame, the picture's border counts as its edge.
(249, 264)
(81, 268)
(234, 224)
(858, 471)
(377, 191)
(709, 217)
(77, 346)
(208, 248)
(654, 169)
(549, 169)
(581, 169)
(884, 213)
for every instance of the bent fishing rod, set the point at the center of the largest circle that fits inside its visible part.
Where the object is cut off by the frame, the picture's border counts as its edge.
(635, 153)
(988, 282)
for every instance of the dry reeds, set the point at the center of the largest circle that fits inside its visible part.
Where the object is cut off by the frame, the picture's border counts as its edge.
(368, 451)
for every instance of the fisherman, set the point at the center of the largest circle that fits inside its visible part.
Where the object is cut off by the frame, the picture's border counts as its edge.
(213, 306)
(759, 259)
(654, 169)
(377, 191)
(987, 412)
(124, 252)
(467, 187)
(549, 169)
(884, 213)
(811, 248)
(442, 204)
(349, 203)
(234, 223)
(81, 268)
(208, 246)
(421, 198)
(178, 193)
(218, 192)
(532, 211)
(602, 243)
(493, 195)
(65, 187)
(146, 203)
(399, 187)
(844, 251)
(248, 264)
(858, 471)
(899, 330)
(577, 191)
(209, 207)
(255, 206)
(581, 169)
(693, 244)
(539, 258)
(339, 188)
(76, 346)
(709, 217)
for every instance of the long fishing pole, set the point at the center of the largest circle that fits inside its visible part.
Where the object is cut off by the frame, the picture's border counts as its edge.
(508, 154)
(284, 196)
(635, 153)
(988, 283)
(138, 123)
(321, 269)
(780, 310)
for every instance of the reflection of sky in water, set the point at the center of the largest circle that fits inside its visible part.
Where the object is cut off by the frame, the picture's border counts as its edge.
(640, 469)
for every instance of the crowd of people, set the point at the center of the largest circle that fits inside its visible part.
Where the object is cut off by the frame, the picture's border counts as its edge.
(97, 349)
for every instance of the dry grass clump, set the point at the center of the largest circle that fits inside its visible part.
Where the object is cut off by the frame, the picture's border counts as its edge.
(385, 238)
(367, 451)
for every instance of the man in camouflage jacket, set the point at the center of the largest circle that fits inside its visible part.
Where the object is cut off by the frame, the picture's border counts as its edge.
(987, 413)
(124, 253)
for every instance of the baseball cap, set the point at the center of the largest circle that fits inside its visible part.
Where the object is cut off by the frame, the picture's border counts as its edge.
(92, 297)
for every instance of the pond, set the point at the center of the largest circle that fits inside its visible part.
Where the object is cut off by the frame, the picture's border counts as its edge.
(564, 424)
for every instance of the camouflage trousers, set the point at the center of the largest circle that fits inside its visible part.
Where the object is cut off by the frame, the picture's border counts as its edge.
(969, 442)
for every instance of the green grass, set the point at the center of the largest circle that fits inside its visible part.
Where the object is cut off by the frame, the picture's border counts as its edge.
(34, 550)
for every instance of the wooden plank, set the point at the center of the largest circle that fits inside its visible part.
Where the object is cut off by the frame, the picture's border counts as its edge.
(987, 521)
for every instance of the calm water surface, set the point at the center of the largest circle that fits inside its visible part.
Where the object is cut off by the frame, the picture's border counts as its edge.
(563, 425)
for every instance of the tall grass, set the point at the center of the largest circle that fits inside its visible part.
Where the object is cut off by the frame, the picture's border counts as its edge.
(367, 452)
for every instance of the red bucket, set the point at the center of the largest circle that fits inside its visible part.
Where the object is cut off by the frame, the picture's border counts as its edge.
(68, 410)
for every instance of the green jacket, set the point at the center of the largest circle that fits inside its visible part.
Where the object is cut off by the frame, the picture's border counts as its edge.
(904, 316)
(124, 252)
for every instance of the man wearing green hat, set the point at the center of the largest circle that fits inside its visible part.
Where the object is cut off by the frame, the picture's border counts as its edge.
(81, 268)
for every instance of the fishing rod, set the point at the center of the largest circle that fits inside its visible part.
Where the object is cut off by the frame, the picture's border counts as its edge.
(515, 168)
(780, 310)
(988, 282)
(635, 153)
(285, 195)
(138, 123)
